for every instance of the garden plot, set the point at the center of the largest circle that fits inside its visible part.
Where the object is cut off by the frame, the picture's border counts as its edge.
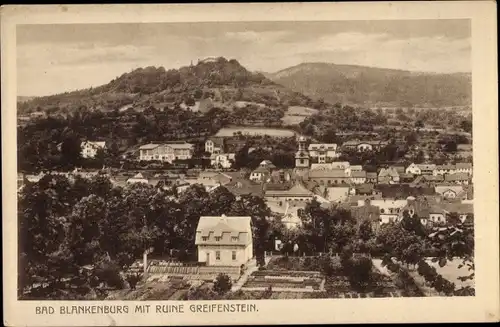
(297, 114)
(284, 281)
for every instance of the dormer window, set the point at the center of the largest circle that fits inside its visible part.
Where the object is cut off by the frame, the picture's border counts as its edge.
(218, 238)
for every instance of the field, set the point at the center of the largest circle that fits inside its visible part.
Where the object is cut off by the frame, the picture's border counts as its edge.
(153, 290)
(297, 114)
(451, 272)
(273, 132)
(242, 104)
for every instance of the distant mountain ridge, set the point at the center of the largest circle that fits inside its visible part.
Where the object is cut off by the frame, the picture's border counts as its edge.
(370, 86)
(225, 81)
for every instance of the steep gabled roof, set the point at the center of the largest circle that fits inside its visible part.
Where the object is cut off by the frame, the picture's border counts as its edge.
(427, 166)
(322, 166)
(464, 165)
(331, 173)
(95, 144)
(456, 177)
(445, 167)
(224, 227)
(390, 172)
(441, 189)
(149, 146)
(358, 174)
(217, 141)
(296, 190)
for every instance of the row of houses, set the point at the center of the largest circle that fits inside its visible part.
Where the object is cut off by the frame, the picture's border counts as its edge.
(289, 202)
(435, 170)
(429, 211)
(341, 173)
(328, 152)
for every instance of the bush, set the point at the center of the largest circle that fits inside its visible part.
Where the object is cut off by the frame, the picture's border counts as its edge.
(222, 284)
(133, 279)
(359, 271)
(109, 273)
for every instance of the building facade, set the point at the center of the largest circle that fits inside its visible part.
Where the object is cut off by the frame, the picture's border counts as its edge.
(322, 152)
(413, 169)
(166, 152)
(89, 148)
(224, 241)
(214, 145)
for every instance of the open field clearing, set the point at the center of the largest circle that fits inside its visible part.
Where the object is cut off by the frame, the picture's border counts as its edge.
(274, 132)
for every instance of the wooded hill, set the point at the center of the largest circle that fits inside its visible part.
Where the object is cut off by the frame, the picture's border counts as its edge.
(221, 81)
(376, 87)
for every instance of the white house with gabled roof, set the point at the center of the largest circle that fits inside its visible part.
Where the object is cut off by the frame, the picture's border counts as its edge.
(224, 241)
(89, 148)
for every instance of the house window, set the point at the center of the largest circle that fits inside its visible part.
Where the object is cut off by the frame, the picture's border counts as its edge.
(301, 161)
(382, 211)
(234, 255)
(218, 238)
(204, 238)
(234, 239)
(217, 255)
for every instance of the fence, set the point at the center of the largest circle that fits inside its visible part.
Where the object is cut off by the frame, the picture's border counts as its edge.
(193, 271)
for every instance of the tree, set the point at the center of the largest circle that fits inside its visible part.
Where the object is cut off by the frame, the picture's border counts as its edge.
(401, 243)
(450, 146)
(359, 271)
(326, 229)
(330, 136)
(222, 284)
(419, 124)
(257, 209)
(43, 208)
(220, 201)
(411, 138)
(466, 125)
(365, 231)
(71, 152)
(133, 279)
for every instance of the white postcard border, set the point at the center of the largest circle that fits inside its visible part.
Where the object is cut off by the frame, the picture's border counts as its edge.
(483, 307)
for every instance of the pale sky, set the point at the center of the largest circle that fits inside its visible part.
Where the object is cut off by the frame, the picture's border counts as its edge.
(57, 58)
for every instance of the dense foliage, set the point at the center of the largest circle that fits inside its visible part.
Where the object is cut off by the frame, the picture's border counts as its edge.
(376, 86)
(69, 229)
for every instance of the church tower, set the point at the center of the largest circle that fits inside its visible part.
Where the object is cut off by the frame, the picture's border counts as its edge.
(302, 155)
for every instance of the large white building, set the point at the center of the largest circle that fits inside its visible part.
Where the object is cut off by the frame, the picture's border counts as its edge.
(166, 151)
(224, 241)
(323, 152)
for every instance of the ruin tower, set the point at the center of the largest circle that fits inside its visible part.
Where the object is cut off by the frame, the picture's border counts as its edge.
(302, 155)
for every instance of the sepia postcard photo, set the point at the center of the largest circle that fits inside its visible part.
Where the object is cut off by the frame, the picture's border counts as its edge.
(254, 163)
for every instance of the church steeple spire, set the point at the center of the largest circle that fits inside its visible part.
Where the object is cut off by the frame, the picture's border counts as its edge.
(302, 155)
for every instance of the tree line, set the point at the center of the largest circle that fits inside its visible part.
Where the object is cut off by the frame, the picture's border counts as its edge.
(72, 231)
